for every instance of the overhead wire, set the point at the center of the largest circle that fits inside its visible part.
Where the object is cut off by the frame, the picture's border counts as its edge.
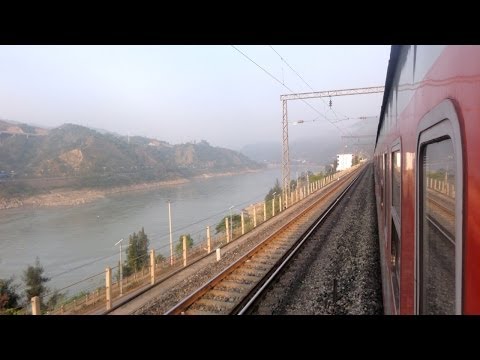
(306, 83)
(273, 77)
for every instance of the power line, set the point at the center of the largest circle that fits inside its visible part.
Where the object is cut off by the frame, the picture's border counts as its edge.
(269, 74)
(285, 61)
(273, 77)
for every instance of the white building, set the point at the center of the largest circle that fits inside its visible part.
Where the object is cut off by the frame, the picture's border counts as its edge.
(344, 161)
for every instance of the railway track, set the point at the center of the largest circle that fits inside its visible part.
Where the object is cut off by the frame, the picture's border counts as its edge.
(235, 289)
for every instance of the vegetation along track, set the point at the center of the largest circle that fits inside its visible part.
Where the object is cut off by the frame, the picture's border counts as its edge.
(233, 289)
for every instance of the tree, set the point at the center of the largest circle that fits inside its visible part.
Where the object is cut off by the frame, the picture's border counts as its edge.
(8, 295)
(236, 221)
(276, 189)
(159, 258)
(179, 247)
(34, 281)
(56, 298)
(293, 185)
(313, 178)
(137, 252)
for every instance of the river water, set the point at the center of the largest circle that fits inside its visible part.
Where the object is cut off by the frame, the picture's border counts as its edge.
(73, 243)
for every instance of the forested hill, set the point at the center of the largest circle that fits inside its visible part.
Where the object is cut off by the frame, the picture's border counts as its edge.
(103, 159)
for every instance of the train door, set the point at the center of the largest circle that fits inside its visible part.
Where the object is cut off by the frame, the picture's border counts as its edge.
(439, 233)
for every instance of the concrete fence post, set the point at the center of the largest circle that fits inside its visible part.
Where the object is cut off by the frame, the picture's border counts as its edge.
(227, 228)
(209, 240)
(273, 206)
(152, 266)
(280, 203)
(36, 305)
(243, 223)
(255, 215)
(264, 211)
(218, 254)
(108, 288)
(184, 250)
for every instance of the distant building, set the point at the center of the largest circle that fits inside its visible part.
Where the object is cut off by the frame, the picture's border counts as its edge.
(155, 143)
(344, 161)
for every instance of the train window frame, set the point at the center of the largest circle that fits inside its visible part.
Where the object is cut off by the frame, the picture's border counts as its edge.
(395, 224)
(397, 146)
(438, 124)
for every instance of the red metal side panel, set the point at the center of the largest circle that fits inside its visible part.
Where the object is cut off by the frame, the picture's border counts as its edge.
(454, 75)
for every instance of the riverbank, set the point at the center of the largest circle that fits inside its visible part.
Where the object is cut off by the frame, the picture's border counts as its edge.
(66, 197)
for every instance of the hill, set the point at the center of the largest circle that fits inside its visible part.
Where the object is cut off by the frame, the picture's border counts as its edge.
(74, 156)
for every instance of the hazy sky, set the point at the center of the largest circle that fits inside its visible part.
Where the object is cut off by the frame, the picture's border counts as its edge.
(185, 93)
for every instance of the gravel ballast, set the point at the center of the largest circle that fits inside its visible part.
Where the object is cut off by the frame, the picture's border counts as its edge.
(338, 270)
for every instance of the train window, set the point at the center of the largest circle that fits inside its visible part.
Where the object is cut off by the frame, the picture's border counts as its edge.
(384, 197)
(396, 171)
(437, 233)
(395, 222)
(439, 200)
(395, 262)
(382, 180)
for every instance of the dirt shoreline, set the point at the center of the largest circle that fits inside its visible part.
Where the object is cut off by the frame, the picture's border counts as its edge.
(66, 197)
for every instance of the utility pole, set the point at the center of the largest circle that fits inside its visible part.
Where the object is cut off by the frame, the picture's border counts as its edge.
(170, 226)
(311, 95)
(285, 153)
(120, 267)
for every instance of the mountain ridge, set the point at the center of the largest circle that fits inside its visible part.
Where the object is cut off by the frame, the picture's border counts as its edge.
(80, 157)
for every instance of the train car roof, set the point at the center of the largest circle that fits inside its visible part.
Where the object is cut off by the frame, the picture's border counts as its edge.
(392, 66)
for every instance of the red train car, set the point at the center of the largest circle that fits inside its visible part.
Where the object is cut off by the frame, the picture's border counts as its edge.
(427, 180)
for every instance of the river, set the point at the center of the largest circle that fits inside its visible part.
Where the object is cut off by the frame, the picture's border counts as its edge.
(73, 243)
